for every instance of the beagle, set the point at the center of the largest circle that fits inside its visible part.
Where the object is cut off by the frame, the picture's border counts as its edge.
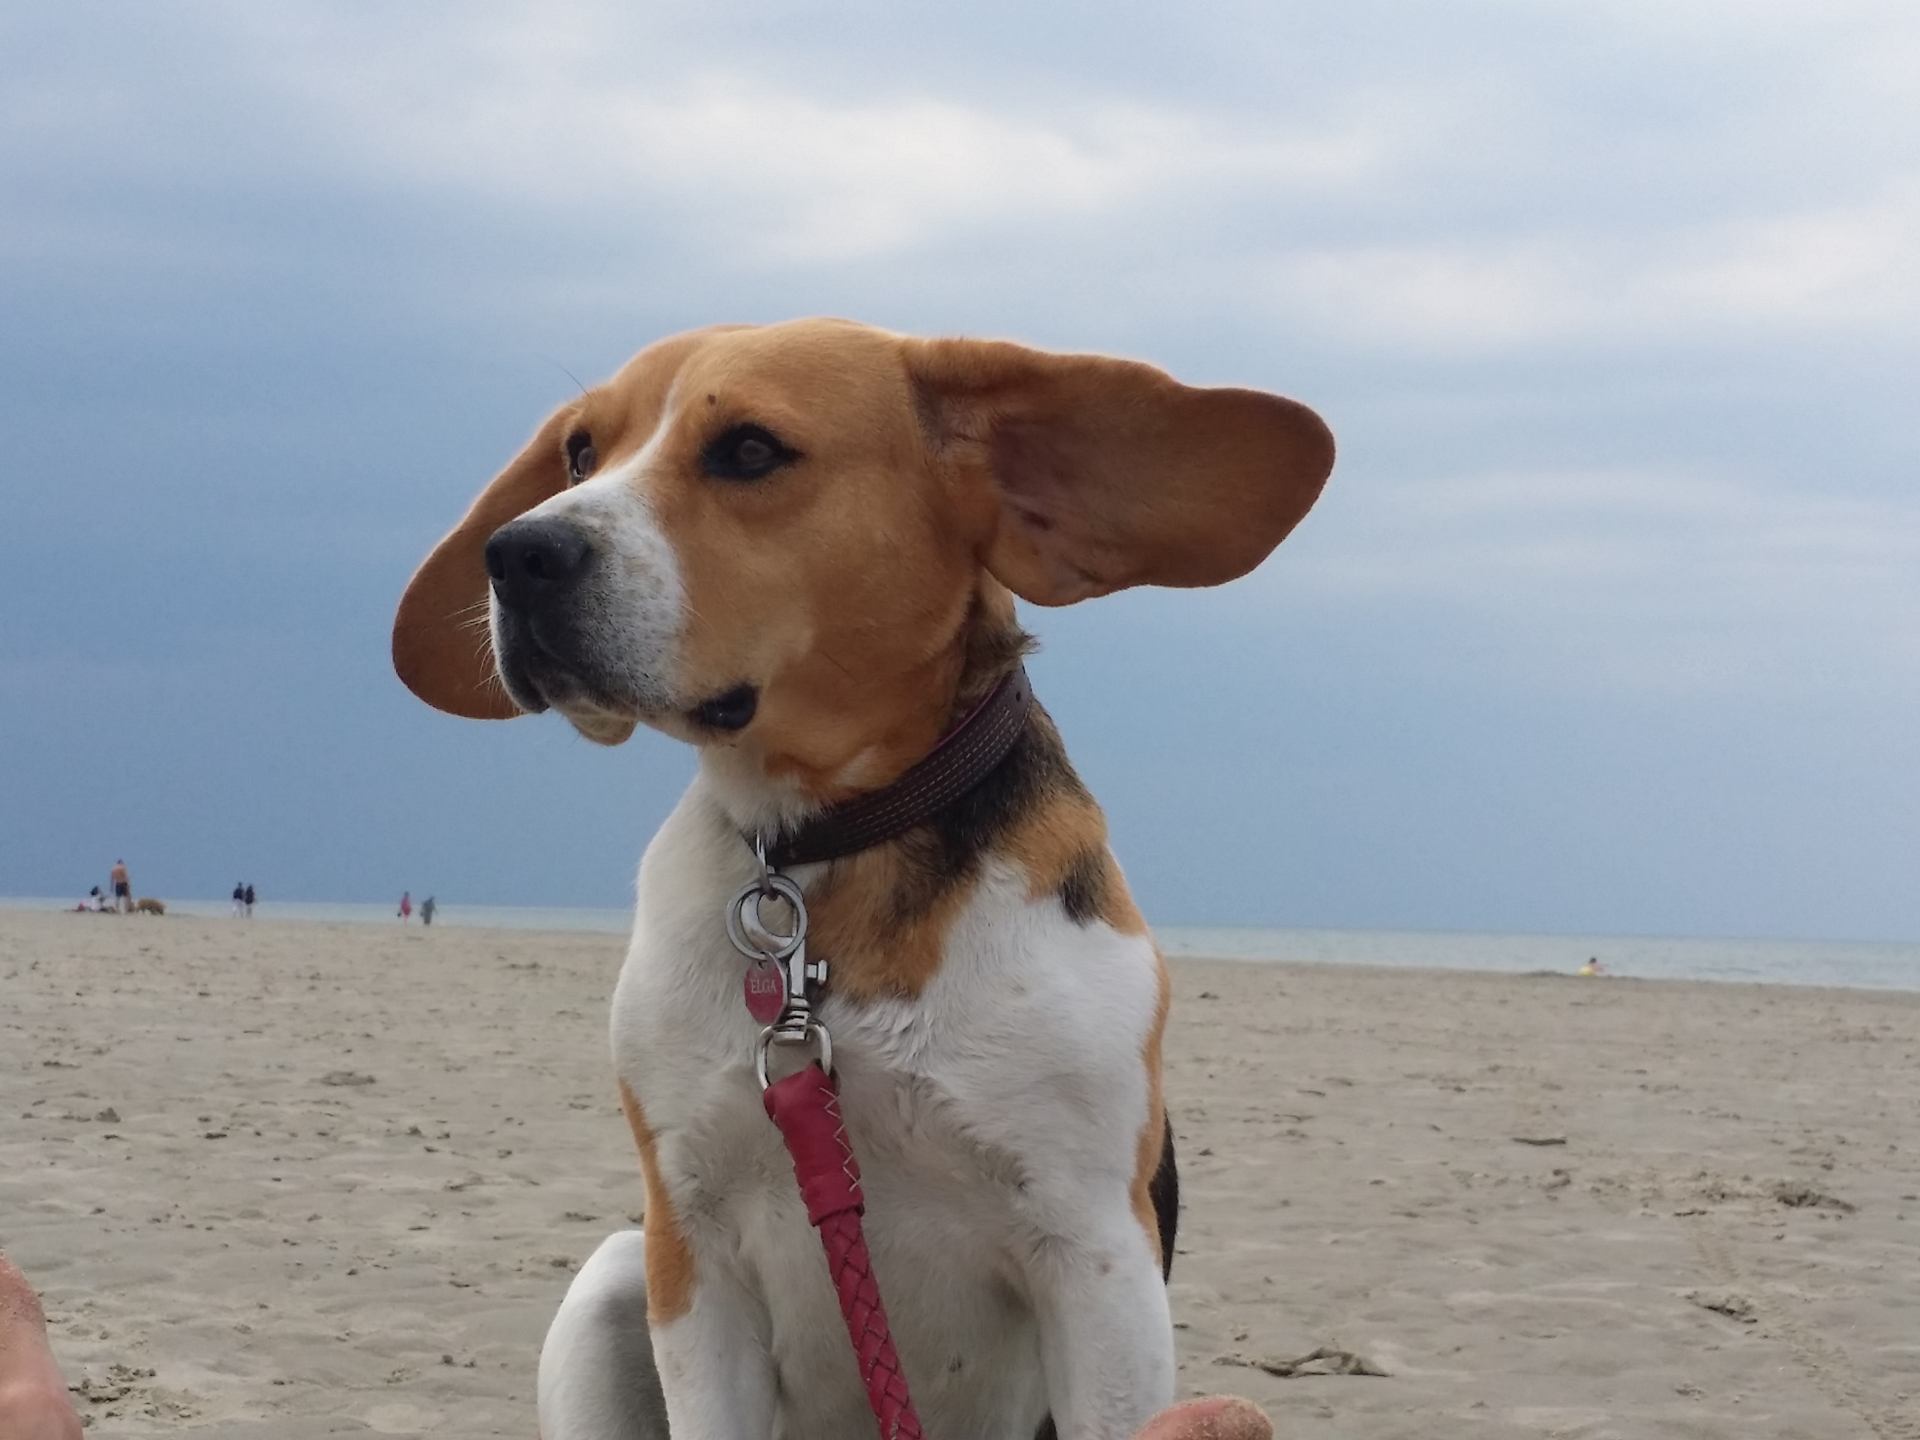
(797, 547)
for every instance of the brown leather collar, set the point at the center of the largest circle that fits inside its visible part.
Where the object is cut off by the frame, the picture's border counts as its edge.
(971, 751)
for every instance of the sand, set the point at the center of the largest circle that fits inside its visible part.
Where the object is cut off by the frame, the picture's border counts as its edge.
(298, 1180)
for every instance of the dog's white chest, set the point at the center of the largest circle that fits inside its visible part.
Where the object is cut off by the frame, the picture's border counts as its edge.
(941, 1213)
(977, 1111)
(937, 1230)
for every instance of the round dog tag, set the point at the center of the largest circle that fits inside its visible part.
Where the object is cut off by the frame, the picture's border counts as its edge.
(766, 992)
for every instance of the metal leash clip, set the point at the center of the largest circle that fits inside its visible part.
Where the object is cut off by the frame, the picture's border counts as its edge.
(751, 936)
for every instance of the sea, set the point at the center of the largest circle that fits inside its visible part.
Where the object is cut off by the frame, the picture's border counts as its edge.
(1855, 964)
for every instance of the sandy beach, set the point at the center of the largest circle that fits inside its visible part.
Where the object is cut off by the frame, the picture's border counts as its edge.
(299, 1180)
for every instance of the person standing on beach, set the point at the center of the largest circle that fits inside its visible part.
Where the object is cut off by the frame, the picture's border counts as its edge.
(406, 906)
(427, 907)
(239, 900)
(247, 896)
(122, 887)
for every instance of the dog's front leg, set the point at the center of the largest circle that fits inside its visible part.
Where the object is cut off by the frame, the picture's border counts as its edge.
(597, 1378)
(716, 1361)
(1106, 1335)
(605, 1364)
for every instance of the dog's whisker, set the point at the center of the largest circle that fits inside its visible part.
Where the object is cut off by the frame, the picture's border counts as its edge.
(564, 371)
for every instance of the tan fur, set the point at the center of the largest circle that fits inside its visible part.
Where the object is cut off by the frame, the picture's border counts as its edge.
(1055, 836)
(1120, 911)
(874, 954)
(1108, 473)
(440, 646)
(840, 586)
(1153, 1134)
(1061, 834)
(847, 569)
(150, 906)
(669, 1256)
(877, 953)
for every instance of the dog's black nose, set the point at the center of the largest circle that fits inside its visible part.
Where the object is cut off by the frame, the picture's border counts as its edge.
(532, 561)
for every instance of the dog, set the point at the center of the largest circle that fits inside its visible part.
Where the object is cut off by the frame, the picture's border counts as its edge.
(797, 548)
(147, 905)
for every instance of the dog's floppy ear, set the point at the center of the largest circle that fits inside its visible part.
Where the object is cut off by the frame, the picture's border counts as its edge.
(1108, 473)
(440, 644)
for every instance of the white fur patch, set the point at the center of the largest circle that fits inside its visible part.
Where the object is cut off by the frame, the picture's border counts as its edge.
(630, 610)
(597, 1378)
(996, 1118)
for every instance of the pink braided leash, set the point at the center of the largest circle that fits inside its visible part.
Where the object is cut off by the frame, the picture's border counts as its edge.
(806, 1107)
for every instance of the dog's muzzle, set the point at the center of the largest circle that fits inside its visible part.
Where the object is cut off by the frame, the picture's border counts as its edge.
(536, 566)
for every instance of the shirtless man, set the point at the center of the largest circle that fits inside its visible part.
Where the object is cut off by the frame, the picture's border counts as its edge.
(34, 1404)
(122, 887)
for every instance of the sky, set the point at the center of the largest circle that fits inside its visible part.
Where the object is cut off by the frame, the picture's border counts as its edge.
(1608, 621)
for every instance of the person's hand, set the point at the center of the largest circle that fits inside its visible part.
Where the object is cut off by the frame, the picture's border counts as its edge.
(33, 1396)
(1218, 1417)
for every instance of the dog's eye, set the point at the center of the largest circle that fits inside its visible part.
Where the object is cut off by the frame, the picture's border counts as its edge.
(580, 457)
(746, 452)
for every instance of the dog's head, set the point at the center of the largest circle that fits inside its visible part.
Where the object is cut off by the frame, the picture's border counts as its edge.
(780, 532)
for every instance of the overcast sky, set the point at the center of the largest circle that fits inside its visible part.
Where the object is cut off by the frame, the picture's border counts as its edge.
(1609, 620)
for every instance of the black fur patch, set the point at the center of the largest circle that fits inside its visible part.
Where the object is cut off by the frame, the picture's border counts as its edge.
(1165, 1190)
(1083, 890)
(947, 851)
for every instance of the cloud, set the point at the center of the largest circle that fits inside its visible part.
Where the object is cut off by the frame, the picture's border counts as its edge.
(1835, 270)
(1594, 180)
(1610, 305)
(543, 112)
(1670, 581)
(797, 179)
